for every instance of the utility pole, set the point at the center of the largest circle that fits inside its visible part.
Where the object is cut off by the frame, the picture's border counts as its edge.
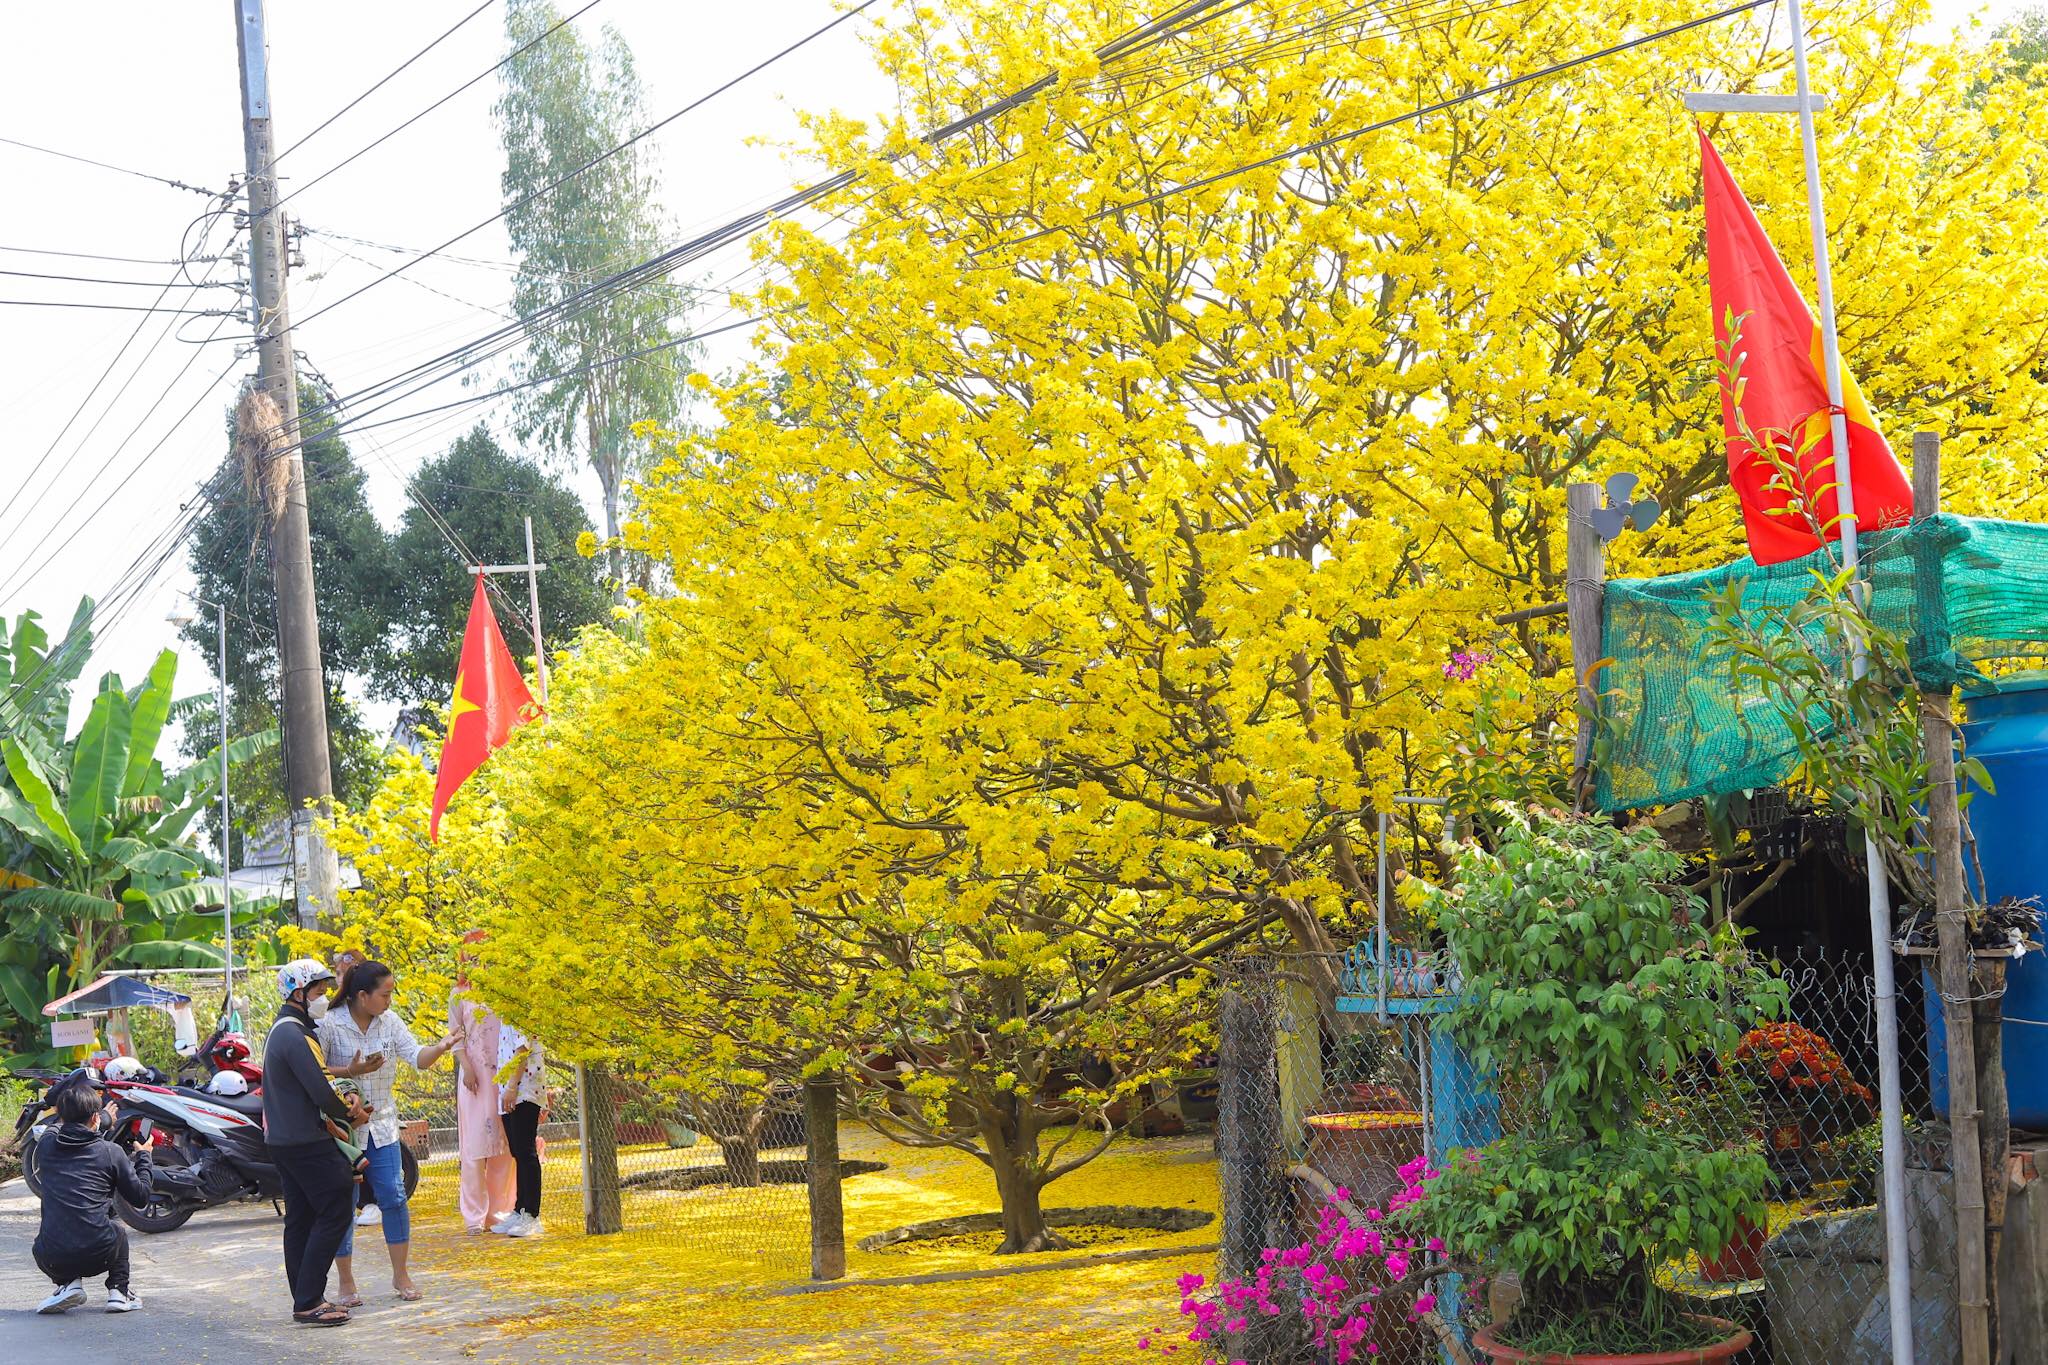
(309, 784)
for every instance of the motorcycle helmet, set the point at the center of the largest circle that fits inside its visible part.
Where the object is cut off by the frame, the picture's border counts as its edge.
(124, 1069)
(228, 1083)
(231, 1048)
(300, 973)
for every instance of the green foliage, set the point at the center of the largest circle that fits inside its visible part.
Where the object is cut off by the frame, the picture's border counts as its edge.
(486, 492)
(564, 103)
(356, 593)
(1583, 970)
(98, 868)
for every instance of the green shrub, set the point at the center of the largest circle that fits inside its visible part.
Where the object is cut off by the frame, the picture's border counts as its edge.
(1585, 969)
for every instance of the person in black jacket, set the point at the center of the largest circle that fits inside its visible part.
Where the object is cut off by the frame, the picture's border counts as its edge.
(298, 1101)
(81, 1171)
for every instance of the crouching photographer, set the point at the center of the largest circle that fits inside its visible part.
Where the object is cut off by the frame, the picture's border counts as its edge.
(81, 1169)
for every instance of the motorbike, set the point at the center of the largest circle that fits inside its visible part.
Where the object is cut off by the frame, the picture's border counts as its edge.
(32, 1123)
(208, 1150)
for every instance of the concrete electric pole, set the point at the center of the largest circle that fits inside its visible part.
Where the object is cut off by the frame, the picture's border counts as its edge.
(309, 783)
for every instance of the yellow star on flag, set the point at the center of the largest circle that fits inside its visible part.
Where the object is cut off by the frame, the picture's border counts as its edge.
(461, 704)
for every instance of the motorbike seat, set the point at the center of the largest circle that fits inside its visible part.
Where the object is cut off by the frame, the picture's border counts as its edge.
(249, 1106)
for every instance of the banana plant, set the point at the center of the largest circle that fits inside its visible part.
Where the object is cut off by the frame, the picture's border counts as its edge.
(99, 870)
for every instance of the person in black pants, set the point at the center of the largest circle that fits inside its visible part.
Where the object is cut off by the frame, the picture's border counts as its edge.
(522, 1100)
(80, 1173)
(298, 1103)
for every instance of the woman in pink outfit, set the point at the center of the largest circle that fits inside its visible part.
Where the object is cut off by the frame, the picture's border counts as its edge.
(480, 1136)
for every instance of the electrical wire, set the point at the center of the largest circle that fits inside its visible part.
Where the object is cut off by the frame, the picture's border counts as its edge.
(105, 374)
(110, 166)
(98, 279)
(601, 157)
(1410, 116)
(89, 256)
(386, 80)
(386, 137)
(114, 307)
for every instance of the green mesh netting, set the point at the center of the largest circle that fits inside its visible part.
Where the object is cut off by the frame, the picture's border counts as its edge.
(1963, 591)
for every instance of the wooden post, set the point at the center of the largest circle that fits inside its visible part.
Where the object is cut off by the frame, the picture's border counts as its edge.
(821, 1138)
(1951, 918)
(1585, 579)
(598, 1127)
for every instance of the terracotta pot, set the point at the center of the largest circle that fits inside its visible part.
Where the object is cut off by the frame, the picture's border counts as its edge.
(1737, 1340)
(1364, 1152)
(1741, 1259)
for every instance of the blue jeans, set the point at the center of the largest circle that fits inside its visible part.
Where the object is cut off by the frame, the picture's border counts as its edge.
(387, 1186)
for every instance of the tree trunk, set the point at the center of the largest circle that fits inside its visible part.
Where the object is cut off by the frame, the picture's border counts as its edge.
(742, 1159)
(1012, 1153)
(1994, 1130)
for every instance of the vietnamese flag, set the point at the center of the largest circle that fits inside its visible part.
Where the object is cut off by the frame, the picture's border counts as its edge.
(1784, 392)
(490, 701)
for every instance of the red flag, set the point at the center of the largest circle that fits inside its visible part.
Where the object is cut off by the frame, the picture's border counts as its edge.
(490, 701)
(1784, 391)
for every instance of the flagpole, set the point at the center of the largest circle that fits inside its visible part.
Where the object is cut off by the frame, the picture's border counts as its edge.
(1898, 1272)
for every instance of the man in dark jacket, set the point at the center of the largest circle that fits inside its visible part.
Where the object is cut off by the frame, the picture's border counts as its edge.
(298, 1101)
(80, 1172)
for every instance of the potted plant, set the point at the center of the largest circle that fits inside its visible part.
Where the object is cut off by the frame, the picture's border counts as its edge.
(1591, 971)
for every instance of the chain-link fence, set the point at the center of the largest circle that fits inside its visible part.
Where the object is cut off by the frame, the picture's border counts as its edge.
(1325, 1096)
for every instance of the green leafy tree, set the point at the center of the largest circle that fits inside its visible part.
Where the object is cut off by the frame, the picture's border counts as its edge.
(99, 869)
(485, 493)
(564, 104)
(356, 587)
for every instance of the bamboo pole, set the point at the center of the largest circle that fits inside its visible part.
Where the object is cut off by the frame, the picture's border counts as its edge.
(1951, 919)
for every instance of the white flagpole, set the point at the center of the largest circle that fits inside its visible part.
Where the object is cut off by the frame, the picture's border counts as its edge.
(1898, 1272)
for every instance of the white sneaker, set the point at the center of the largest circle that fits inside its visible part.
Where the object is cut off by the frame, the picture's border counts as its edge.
(370, 1216)
(504, 1226)
(118, 1302)
(63, 1299)
(529, 1226)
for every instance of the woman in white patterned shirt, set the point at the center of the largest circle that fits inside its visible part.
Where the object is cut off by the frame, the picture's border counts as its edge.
(522, 1103)
(364, 1039)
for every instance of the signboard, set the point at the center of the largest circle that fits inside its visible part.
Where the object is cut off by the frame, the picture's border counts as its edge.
(71, 1033)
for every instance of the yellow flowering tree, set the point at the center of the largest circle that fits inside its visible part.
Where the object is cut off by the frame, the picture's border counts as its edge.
(1094, 545)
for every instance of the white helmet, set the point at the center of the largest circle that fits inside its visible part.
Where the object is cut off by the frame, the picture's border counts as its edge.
(228, 1083)
(123, 1069)
(302, 972)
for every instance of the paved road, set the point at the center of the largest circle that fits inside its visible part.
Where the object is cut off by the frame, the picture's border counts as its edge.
(213, 1291)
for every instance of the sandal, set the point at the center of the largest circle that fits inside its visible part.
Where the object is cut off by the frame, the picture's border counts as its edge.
(348, 1301)
(326, 1315)
(409, 1295)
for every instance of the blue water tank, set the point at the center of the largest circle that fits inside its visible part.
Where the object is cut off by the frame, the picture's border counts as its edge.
(2007, 731)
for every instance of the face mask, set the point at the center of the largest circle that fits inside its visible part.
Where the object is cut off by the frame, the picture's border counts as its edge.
(317, 1007)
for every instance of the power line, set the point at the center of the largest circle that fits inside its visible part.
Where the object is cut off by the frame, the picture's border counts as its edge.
(386, 80)
(89, 256)
(110, 166)
(603, 156)
(1409, 117)
(99, 279)
(380, 141)
(118, 307)
(104, 375)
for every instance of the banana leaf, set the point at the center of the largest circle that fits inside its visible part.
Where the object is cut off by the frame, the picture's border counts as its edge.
(99, 763)
(42, 799)
(152, 708)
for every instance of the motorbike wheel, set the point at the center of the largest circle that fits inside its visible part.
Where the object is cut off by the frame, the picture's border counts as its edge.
(31, 1174)
(410, 1165)
(159, 1215)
